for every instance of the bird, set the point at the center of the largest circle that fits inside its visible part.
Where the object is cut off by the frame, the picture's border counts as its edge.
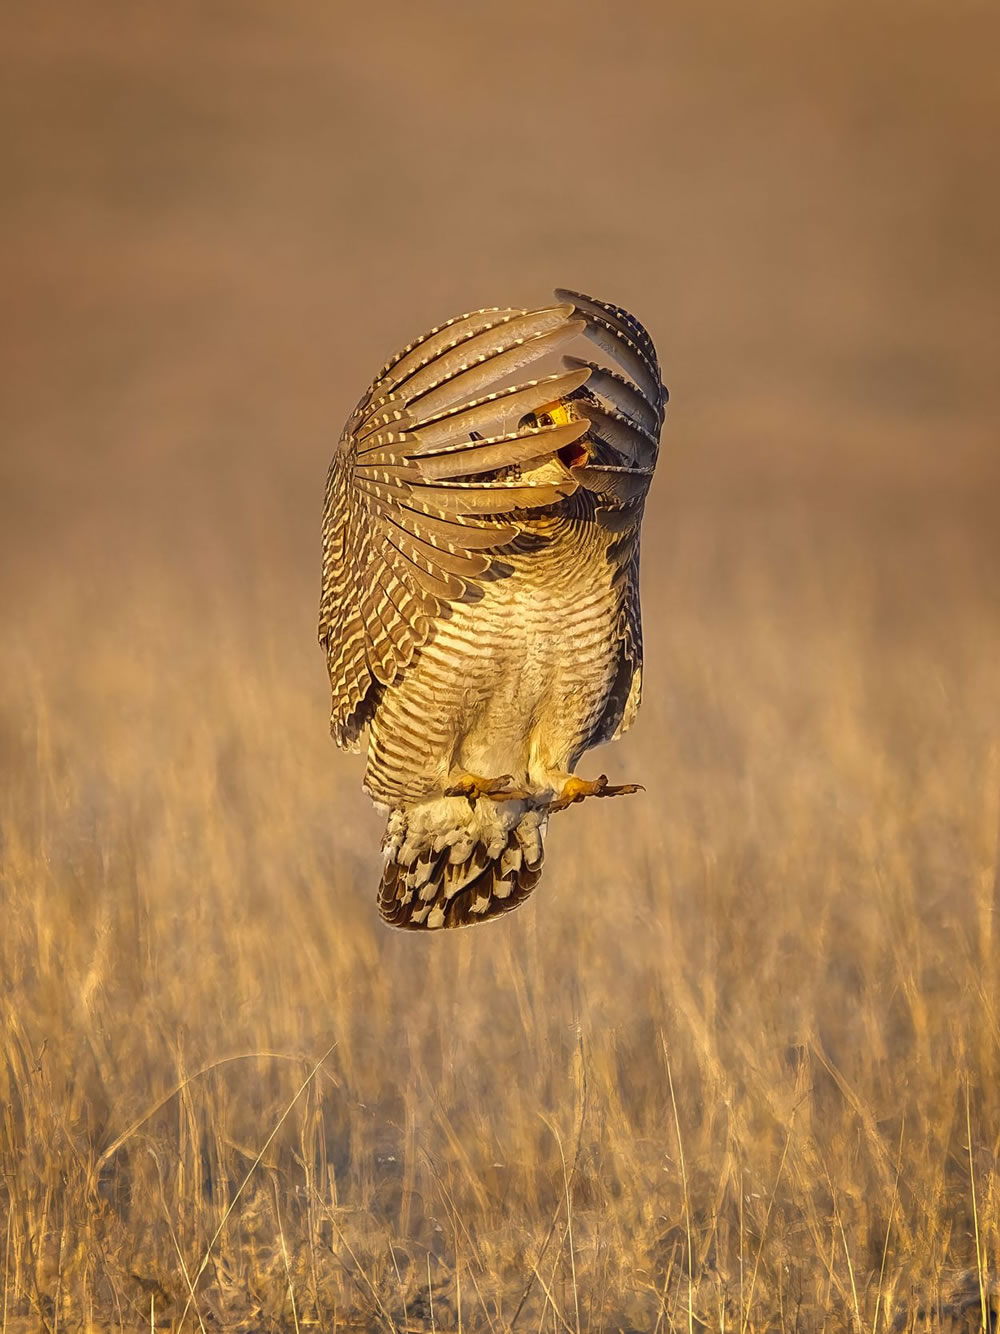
(480, 594)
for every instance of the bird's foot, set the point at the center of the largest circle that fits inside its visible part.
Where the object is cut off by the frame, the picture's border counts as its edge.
(575, 789)
(475, 788)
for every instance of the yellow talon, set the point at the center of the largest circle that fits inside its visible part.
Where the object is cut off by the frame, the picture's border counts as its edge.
(474, 788)
(576, 789)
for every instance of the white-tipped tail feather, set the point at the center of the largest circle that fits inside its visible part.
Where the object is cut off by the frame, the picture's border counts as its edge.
(448, 863)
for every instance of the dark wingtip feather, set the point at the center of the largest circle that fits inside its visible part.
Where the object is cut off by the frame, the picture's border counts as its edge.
(625, 338)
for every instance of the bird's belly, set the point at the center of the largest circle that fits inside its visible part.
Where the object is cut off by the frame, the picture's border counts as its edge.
(534, 668)
(511, 683)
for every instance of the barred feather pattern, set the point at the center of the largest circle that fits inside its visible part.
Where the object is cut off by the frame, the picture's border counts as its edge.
(480, 604)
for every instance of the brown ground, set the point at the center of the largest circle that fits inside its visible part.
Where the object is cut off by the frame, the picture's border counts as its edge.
(217, 221)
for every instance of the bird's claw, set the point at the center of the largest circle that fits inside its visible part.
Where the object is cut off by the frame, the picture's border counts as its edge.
(474, 788)
(576, 789)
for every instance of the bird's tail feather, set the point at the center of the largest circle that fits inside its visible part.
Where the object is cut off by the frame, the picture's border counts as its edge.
(451, 864)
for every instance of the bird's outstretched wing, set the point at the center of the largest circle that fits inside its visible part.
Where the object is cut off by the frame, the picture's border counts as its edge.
(626, 416)
(426, 486)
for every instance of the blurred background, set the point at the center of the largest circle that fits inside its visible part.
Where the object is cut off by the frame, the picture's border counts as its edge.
(218, 220)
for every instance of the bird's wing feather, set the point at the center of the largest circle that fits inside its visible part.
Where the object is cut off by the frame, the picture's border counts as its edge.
(419, 502)
(626, 414)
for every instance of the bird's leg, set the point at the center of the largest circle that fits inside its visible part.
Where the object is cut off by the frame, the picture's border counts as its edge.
(475, 788)
(575, 789)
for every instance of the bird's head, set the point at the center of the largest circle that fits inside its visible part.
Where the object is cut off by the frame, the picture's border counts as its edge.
(578, 453)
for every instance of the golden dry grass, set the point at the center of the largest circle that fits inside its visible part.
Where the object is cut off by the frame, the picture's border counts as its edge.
(736, 1065)
(798, 917)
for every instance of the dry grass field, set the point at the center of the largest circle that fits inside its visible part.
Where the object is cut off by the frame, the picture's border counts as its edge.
(736, 1066)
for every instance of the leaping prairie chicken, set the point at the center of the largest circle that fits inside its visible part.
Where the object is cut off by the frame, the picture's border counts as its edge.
(480, 605)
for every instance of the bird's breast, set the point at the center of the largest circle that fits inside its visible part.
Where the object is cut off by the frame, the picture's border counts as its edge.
(538, 653)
